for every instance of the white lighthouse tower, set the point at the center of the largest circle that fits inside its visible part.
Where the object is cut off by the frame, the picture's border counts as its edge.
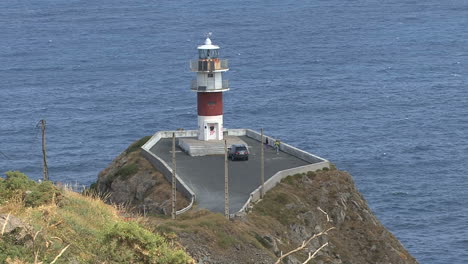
(209, 86)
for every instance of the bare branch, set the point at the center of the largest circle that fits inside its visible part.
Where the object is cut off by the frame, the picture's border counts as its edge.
(5, 224)
(60, 254)
(37, 233)
(304, 244)
(312, 255)
(328, 218)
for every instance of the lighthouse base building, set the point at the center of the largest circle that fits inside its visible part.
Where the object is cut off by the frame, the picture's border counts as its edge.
(210, 116)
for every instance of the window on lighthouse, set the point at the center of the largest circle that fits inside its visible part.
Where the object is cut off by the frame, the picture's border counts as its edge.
(208, 53)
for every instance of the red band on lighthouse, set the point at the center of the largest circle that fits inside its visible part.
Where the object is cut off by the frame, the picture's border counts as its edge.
(210, 104)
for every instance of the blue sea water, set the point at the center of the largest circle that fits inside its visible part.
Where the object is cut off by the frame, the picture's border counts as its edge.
(380, 88)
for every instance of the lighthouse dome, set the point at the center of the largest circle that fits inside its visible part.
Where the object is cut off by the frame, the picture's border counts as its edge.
(208, 50)
(208, 45)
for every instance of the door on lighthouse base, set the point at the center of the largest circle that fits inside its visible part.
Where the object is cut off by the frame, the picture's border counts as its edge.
(211, 131)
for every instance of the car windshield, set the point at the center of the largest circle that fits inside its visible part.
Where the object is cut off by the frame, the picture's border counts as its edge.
(241, 148)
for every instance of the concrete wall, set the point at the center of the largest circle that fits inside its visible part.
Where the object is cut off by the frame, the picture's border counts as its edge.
(318, 163)
(168, 134)
(306, 156)
(164, 168)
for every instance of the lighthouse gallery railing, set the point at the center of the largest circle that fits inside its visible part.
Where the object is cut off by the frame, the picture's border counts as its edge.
(209, 65)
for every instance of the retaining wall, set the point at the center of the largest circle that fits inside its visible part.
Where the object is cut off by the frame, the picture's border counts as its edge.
(164, 168)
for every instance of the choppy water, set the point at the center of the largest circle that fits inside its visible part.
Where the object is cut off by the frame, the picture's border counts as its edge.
(377, 87)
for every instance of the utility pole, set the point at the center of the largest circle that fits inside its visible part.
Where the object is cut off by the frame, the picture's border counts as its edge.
(262, 165)
(173, 178)
(226, 181)
(44, 153)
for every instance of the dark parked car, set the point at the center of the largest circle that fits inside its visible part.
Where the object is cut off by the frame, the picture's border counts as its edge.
(238, 151)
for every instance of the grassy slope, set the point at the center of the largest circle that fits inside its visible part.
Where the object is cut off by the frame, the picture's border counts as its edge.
(94, 230)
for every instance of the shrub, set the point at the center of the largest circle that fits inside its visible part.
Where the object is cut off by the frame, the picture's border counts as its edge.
(137, 145)
(126, 171)
(311, 174)
(225, 240)
(10, 249)
(93, 186)
(33, 194)
(127, 242)
(288, 180)
(263, 241)
(281, 198)
(43, 193)
(16, 180)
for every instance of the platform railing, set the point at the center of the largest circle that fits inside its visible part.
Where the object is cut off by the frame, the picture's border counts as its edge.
(209, 65)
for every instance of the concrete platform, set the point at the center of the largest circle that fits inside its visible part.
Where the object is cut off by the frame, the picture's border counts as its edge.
(205, 174)
(195, 147)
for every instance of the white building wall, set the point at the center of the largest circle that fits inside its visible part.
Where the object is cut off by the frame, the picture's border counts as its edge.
(218, 80)
(204, 131)
(201, 79)
(211, 83)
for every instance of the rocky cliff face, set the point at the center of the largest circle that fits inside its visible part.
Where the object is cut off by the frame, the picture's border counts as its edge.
(132, 181)
(289, 215)
(292, 211)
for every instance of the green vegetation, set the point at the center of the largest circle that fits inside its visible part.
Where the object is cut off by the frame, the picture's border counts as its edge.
(225, 240)
(262, 241)
(137, 145)
(19, 186)
(273, 205)
(131, 243)
(83, 227)
(212, 227)
(126, 171)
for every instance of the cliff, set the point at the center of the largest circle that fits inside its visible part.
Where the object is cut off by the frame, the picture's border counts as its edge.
(288, 215)
(131, 180)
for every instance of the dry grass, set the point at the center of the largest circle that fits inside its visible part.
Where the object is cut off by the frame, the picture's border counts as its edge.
(14, 206)
(71, 230)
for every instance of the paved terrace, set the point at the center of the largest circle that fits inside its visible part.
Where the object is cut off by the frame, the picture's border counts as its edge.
(205, 174)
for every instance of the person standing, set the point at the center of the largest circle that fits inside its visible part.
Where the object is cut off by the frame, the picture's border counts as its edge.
(277, 146)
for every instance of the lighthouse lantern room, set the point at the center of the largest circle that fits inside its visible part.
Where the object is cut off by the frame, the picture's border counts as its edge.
(209, 86)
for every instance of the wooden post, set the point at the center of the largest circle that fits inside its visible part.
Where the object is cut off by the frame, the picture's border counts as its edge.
(226, 181)
(44, 153)
(262, 165)
(174, 183)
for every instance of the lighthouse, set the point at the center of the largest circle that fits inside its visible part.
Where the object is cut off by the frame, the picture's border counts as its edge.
(209, 86)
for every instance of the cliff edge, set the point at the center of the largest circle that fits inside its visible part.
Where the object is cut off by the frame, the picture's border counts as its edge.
(132, 181)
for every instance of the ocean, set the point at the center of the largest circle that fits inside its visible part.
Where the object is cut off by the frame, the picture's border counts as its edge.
(380, 88)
